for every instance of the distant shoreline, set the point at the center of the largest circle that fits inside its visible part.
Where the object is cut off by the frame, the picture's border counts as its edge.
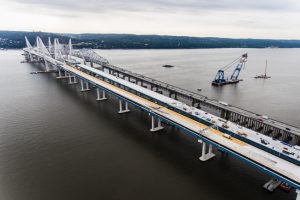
(8, 49)
(15, 40)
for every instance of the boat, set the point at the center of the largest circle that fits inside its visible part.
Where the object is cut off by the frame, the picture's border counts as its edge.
(168, 66)
(272, 184)
(264, 76)
(199, 89)
(285, 187)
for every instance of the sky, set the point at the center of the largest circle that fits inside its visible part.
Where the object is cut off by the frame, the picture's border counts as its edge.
(270, 19)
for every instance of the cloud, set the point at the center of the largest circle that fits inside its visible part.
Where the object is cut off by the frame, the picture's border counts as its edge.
(220, 18)
(164, 5)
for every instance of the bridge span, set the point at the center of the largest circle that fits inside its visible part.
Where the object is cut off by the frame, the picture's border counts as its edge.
(241, 116)
(274, 157)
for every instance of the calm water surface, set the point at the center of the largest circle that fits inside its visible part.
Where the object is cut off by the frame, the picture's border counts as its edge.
(58, 143)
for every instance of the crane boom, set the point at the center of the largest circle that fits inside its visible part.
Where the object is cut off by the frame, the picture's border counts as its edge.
(240, 65)
(220, 76)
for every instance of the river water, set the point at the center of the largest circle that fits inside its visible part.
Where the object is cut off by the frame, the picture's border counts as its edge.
(58, 143)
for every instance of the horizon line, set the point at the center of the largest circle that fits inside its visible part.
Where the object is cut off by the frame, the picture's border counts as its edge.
(248, 38)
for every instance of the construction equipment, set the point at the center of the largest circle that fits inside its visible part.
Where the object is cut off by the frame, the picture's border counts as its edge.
(220, 77)
(264, 76)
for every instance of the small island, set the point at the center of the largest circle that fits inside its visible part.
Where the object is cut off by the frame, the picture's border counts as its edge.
(168, 66)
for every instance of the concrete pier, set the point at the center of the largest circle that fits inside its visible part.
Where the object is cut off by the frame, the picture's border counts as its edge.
(204, 154)
(155, 127)
(99, 97)
(123, 109)
(84, 86)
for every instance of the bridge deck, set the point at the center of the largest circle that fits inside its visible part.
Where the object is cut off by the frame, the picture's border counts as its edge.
(249, 136)
(212, 102)
(269, 163)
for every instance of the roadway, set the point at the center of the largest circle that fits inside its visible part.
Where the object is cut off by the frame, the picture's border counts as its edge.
(265, 161)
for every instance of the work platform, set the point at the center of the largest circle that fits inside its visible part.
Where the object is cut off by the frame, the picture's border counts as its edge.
(226, 82)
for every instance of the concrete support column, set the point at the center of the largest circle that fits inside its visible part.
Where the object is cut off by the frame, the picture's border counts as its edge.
(233, 117)
(256, 126)
(46, 66)
(263, 129)
(253, 124)
(236, 118)
(271, 134)
(30, 57)
(81, 83)
(284, 136)
(298, 194)
(250, 123)
(62, 75)
(99, 98)
(241, 120)
(59, 73)
(153, 127)
(227, 115)
(210, 149)
(152, 87)
(175, 96)
(143, 85)
(121, 110)
(206, 156)
(72, 79)
(86, 88)
(245, 121)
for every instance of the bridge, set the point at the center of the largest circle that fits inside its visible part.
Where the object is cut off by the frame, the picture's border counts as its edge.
(271, 127)
(274, 157)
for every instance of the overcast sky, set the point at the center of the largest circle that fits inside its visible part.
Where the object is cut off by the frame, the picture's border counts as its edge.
(220, 18)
